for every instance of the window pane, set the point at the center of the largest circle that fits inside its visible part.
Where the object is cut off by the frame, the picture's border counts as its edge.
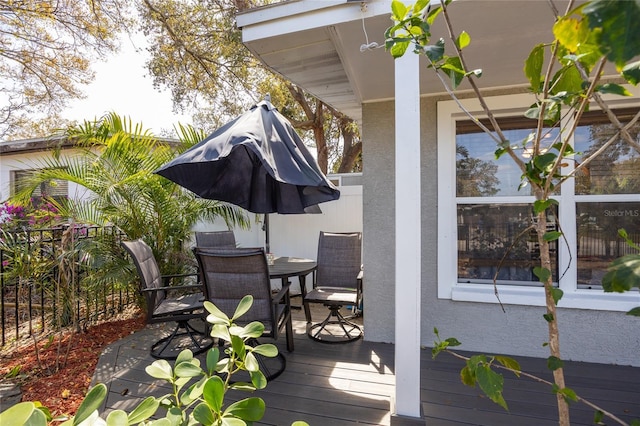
(55, 188)
(616, 170)
(479, 174)
(598, 241)
(487, 232)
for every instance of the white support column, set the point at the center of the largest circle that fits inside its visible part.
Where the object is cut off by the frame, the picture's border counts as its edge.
(408, 255)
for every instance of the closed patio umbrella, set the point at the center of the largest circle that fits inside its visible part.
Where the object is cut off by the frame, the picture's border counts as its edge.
(256, 161)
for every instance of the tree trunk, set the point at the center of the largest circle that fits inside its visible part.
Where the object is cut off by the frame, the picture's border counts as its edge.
(351, 150)
(552, 319)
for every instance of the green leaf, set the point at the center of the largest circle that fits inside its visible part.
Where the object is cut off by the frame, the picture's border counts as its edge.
(160, 369)
(543, 274)
(436, 9)
(634, 312)
(220, 331)
(203, 414)
(420, 4)
(568, 394)
(19, 414)
(557, 294)
(213, 356)
(533, 68)
(452, 341)
(213, 393)
(567, 80)
(238, 346)
(499, 153)
(542, 205)
(188, 369)
(554, 363)
(258, 379)
(544, 162)
(243, 307)
(162, 422)
(453, 67)
(467, 376)
(491, 384)
(623, 274)
(90, 403)
(253, 329)
(631, 73)
(249, 409)
(398, 49)
(267, 349)
(620, 25)
(216, 315)
(510, 363)
(571, 33)
(614, 89)
(117, 418)
(37, 418)
(435, 52)
(242, 386)
(551, 235)
(548, 317)
(193, 392)
(250, 362)
(144, 410)
(232, 421)
(184, 356)
(598, 417)
(398, 9)
(463, 40)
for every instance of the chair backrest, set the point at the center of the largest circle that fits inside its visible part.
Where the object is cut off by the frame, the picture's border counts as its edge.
(148, 271)
(222, 239)
(230, 274)
(339, 259)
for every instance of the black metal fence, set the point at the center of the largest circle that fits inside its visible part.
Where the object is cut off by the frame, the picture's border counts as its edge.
(33, 295)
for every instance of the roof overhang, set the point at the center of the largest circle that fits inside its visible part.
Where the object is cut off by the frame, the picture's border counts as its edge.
(322, 45)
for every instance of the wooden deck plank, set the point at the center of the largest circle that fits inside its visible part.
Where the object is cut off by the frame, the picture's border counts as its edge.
(353, 383)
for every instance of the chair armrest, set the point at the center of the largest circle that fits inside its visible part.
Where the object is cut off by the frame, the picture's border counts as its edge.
(282, 293)
(170, 288)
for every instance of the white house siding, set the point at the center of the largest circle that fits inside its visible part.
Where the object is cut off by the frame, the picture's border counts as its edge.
(586, 335)
(27, 161)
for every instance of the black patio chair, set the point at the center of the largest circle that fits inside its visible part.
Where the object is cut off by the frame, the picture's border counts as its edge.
(337, 283)
(230, 274)
(212, 239)
(163, 306)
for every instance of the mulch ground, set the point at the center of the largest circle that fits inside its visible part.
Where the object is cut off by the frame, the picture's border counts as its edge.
(60, 384)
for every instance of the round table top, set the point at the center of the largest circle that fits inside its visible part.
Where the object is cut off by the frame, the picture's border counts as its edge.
(284, 267)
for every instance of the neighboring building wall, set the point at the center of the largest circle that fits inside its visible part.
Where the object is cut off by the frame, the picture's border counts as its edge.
(28, 161)
(586, 335)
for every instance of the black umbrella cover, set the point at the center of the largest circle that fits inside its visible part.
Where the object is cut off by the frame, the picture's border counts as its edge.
(258, 162)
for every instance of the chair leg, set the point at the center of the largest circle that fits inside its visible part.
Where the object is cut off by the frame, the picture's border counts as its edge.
(271, 367)
(200, 342)
(351, 330)
(289, 334)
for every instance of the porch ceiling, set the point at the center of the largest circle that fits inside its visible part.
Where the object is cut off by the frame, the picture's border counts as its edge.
(319, 47)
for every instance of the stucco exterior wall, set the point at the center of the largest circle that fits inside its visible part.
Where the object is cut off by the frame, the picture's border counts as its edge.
(586, 335)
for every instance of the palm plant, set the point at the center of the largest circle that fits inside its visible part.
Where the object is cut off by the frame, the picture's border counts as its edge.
(115, 168)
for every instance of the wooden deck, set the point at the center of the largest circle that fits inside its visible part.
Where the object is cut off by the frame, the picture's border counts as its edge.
(352, 383)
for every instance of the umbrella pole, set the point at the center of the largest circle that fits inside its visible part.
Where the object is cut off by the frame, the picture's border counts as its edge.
(267, 245)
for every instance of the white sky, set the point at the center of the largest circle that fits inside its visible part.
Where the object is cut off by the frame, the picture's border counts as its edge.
(122, 86)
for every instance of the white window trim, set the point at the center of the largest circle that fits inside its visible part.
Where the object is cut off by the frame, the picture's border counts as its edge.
(448, 286)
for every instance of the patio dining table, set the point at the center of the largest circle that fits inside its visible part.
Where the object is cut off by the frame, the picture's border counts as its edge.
(287, 267)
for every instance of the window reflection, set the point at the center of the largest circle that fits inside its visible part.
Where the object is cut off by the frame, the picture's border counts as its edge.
(487, 233)
(617, 169)
(598, 240)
